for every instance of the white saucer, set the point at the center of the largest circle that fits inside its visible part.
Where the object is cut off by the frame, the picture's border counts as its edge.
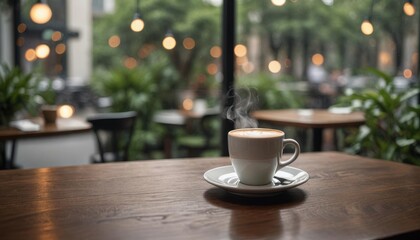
(226, 178)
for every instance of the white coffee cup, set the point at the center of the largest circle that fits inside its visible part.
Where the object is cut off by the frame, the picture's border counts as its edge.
(256, 153)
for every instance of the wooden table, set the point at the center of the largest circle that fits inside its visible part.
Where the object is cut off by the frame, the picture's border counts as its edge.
(346, 197)
(315, 119)
(61, 127)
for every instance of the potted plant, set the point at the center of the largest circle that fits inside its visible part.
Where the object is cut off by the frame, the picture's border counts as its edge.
(47, 99)
(17, 93)
(392, 124)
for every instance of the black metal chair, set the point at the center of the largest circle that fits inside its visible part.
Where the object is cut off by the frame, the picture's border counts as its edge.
(113, 132)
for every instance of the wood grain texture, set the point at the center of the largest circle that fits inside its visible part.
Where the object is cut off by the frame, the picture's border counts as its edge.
(347, 197)
(62, 126)
(320, 118)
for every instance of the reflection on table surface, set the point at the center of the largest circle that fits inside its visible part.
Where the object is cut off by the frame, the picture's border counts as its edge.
(346, 197)
(62, 126)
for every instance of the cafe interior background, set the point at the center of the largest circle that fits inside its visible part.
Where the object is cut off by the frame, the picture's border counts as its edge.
(151, 55)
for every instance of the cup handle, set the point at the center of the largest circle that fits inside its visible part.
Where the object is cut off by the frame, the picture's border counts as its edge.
(295, 154)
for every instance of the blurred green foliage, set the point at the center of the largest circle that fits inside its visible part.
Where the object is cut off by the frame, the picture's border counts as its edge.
(392, 124)
(160, 17)
(145, 90)
(18, 91)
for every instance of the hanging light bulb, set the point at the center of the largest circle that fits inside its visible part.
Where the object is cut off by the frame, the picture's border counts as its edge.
(40, 12)
(367, 27)
(137, 24)
(169, 41)
(409, 8)
(278, 2)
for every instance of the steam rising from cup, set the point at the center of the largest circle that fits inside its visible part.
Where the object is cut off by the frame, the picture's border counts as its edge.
(245, 101)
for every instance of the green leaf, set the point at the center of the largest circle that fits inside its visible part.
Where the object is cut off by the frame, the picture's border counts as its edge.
(403, 142)
(411, 93)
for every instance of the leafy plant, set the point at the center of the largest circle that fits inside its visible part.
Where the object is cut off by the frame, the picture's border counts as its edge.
(17, 93)
(392, 124)
(47, 93)
(144, 90)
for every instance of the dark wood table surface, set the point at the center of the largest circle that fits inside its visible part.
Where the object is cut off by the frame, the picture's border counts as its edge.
(315, 119)
(346, 197)
(61, 127)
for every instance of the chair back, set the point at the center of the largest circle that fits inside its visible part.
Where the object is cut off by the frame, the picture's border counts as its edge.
(113, 132)
(209, 129)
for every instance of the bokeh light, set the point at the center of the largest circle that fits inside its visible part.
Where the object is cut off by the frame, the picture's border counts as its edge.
(215, 52)
(366, 27)
(278, 2)
(169, 42)
(408, 73)
(409, 9)
(42, 51)
(21, 28)
(274, 66)
(188, 43)
(114, 41)
(130, 62)
(318, 59)
(187, 104)
(65, 111)
(240, 50)
(385, 58)
(30, 55)
(137, 25)
(56, 36)
(60, 48)
(40, 13)
(212, 69)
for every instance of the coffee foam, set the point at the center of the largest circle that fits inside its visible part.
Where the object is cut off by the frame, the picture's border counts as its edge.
(256, 133)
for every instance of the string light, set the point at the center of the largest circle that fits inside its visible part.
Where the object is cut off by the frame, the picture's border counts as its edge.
(40, 12)
(137, 25)
(367, 27)
(278, 2)
(409, 8)
(169, 41)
